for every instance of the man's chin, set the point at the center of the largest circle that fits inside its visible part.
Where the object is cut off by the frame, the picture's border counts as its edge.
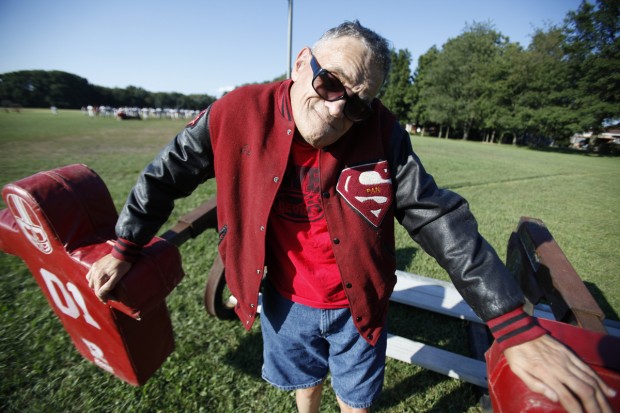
(315, 143)
(323, 140)
(321, 136)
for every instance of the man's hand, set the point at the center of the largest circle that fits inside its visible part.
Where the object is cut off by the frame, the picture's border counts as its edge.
(105, 274)
(549, 368)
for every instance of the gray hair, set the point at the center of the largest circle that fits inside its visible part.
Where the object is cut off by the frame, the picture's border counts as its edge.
(376, 44)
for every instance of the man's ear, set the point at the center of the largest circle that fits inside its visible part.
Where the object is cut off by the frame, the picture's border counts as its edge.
(303, 59)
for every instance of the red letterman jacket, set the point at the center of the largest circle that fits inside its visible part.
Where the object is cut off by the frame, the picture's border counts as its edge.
(368, 177)
(255, 160)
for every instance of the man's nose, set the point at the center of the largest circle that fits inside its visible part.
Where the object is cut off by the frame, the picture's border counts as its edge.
(336, 108)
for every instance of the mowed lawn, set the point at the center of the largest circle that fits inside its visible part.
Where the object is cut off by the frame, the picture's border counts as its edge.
(216, 364)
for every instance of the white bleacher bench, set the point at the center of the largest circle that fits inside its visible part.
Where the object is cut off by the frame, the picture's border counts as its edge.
(442, 297)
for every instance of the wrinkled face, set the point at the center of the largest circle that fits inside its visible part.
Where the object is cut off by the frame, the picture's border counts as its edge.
(320, 122)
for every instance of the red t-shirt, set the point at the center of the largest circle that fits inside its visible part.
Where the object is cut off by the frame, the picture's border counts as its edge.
(300, 261)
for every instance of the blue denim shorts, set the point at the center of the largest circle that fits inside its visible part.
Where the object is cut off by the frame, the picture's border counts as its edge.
(302, 344)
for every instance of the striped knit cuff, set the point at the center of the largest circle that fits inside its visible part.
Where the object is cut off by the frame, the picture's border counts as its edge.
(515, 327)
(126, 250)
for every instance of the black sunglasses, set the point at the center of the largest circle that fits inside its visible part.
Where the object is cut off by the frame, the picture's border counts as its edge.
(330, 88)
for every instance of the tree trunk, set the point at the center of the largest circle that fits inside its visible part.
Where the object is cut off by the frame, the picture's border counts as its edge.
(466, 131)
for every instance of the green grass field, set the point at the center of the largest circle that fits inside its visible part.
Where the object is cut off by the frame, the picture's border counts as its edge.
(216, 364)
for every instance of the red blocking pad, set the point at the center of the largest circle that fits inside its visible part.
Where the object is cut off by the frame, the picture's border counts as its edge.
(59, 223)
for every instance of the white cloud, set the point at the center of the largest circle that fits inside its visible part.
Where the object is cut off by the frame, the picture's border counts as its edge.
(223, 89)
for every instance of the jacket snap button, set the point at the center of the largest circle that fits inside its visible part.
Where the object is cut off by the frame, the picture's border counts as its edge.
(359, 318)
(369, 336)
(349, 285)
(336, 241)
(276, 179)
(325, 194)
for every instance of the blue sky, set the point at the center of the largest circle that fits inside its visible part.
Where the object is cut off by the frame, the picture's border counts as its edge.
(204, 46)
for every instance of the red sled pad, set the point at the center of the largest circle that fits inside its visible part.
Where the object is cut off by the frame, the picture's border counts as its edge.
(59, 223)
(509, 394)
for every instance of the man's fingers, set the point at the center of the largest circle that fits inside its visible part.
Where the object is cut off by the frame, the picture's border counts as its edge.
(104, 287)
(554, 390)
(537, 385)
(589, 387)
(107, 284)
(574, 394)
(89, 278)
(548, 368)
(105, 274)
(540, 387)
(609, 391)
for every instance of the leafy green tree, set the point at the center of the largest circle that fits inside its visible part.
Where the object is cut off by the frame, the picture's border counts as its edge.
(39, 88)
(593, 50)
(549, 101)
(458, 79)
(419, 111)
(506, 83)
(397, 92)
(567, 80)
(478, 49)
(436, 94)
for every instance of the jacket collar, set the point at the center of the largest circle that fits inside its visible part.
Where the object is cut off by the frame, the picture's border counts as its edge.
(283, 100)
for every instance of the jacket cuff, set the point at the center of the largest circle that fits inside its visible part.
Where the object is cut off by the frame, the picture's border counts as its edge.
(515, 327)
(126, 250)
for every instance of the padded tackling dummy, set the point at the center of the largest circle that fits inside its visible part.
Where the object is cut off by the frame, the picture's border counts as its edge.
(60, 222)
(509, 394)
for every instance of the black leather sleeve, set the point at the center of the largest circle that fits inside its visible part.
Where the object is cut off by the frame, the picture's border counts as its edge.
(185, 163)
(441, 222)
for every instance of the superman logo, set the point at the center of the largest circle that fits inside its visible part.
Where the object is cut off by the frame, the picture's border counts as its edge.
(368, 190)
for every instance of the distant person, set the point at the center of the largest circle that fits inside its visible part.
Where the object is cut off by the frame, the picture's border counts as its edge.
(311, 174)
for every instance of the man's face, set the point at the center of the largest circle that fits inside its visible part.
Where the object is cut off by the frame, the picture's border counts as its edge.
(320, 122)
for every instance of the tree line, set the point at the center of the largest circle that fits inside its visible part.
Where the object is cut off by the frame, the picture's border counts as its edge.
(481, 86)
(39, 88)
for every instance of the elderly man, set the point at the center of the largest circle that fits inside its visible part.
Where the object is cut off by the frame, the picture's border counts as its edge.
(311, 173)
